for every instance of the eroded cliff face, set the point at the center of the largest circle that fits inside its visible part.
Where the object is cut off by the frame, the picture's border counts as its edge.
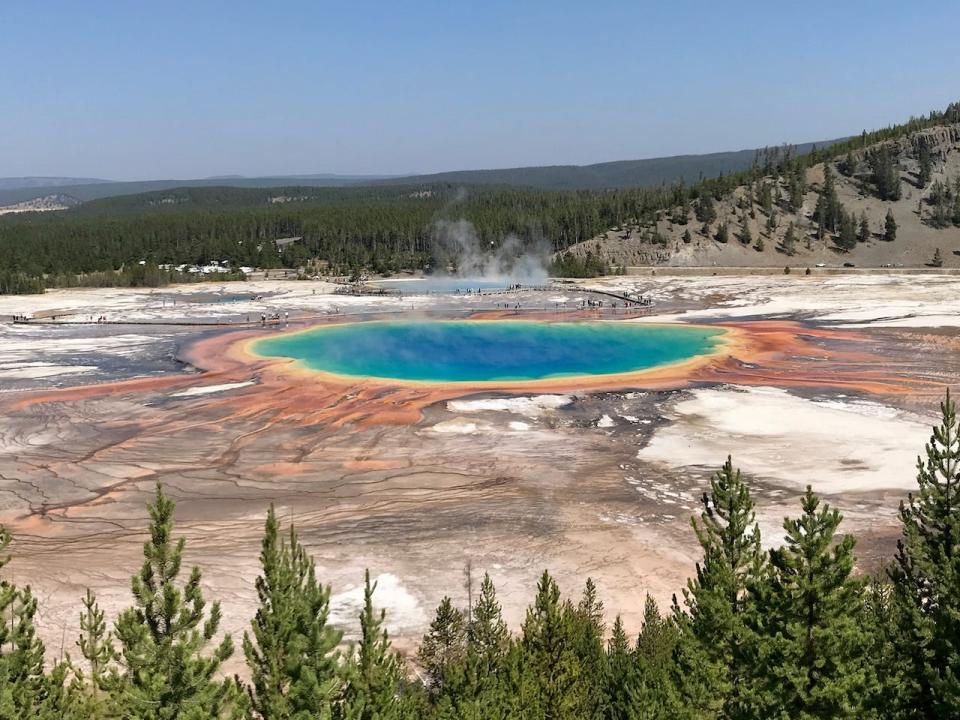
(945, 138)
(941, 140)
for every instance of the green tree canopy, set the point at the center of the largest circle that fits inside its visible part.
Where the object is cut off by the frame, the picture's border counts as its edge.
(163, 637)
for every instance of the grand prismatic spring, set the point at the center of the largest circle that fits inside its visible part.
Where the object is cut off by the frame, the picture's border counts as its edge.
(410, 433)
(489, 350)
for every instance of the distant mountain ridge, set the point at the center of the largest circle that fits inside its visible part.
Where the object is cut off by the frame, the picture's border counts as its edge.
(97, 189)
(617, 174)
(29, 183)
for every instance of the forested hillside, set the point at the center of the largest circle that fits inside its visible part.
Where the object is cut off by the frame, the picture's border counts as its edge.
(792, 632)
(620, 174)
(768, 211)
(890, 198)
(383, 228)
(20, 189)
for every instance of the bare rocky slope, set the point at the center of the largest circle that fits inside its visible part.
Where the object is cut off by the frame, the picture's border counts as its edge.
(56, 201)
(675, 243)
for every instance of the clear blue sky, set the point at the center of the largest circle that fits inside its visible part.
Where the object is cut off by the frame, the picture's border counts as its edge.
(134, 90)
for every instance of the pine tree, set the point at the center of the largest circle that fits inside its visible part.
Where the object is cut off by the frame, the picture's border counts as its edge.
(590, 606)
(766, 198)
(807, 644)
(621, 676)
(548, 653)
(828, 204)
(22, 681)
(522, 694)
(588, 632)
(926, 578)
(864, 234)
(847, 240)
(710, 650)
(706, 211)
(746, 237)
(443, 648)
(941, 198)
(468, 587)
(25, 690)
(8, 597)
(487, 636)
(292, 654)
(723, 233)
(61, 697)
(479, 688)
(790, 240)
(890, 227)
(884, 174)
(96, 647)
(796, 189)
(654, 696)
(926, 167)
(887, 695)
(373, 671)
(850, 165)
(163, 636)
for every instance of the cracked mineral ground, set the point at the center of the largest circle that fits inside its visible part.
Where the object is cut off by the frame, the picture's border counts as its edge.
(584, 477)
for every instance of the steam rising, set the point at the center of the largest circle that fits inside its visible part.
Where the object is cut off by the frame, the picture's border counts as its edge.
(458, 246)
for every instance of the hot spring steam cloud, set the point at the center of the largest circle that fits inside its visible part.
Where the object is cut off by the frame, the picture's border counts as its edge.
(457, 244)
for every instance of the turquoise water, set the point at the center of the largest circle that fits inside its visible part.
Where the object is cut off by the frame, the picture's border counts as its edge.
(480, 351)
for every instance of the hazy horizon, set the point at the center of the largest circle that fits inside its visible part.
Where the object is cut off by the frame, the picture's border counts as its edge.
(321, 173)
(109, 91)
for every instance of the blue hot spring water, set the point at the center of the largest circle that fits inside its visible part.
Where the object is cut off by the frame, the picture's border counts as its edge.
(488, 350)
